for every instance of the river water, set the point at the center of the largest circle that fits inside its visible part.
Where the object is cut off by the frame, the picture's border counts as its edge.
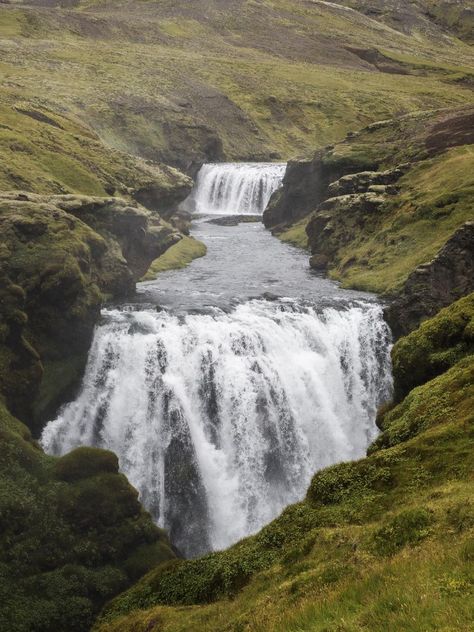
(227, 384)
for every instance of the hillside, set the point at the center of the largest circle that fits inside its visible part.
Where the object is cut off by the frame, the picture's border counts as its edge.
(108, 108)
(72, 534)
(183, 82)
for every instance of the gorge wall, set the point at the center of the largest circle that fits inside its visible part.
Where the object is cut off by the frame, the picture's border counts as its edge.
(384, 201)
(61, 257)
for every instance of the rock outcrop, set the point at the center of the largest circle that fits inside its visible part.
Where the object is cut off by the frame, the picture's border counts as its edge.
(435, 284)
(60, 256)
(359, 199)
(377, 155)
(305, 185)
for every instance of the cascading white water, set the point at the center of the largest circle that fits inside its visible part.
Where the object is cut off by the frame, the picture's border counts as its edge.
(235, 188)
(221, 419)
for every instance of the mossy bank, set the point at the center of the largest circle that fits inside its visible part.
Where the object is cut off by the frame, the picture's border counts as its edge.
(72, 534)
(61, 257)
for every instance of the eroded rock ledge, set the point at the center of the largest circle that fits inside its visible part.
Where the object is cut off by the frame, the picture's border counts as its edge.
(435, 284)
(60, 257)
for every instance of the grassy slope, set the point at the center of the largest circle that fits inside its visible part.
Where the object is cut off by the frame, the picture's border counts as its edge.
(437, 196)
(383, 543)
(165, 79)
(44, 151)
(178, 256)
(296, 234)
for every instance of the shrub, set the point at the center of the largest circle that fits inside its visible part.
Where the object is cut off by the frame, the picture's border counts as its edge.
(85, 462)
(408, 527)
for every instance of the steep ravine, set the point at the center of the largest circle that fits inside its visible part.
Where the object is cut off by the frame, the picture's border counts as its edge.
(372, 536)
(226, 401)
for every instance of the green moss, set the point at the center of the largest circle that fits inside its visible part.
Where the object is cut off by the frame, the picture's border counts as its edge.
(85, 462)
(60, 378)
(450, 394)
(296, 234)
(436, 346)
(407, 527)
(178, 256)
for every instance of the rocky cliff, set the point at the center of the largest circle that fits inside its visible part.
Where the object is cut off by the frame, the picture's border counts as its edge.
(435, 284)
(60, 257)
(383, 203)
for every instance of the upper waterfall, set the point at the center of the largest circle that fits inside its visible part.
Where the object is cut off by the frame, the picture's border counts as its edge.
(235, 188)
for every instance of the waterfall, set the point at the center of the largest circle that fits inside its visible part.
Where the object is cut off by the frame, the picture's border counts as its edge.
(235, 188)
(220, 419)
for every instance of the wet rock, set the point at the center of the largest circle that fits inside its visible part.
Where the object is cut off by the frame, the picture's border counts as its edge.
(234, 220)
(319, 262)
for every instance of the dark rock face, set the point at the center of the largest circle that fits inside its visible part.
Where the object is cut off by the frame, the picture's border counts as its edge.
(304, 186)
(60, 256)
(436, 284)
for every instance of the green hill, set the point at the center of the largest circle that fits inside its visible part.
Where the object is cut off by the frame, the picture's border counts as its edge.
(185, 82)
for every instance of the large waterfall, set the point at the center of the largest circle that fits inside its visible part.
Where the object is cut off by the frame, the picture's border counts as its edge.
(236, 188)
(220, 419)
